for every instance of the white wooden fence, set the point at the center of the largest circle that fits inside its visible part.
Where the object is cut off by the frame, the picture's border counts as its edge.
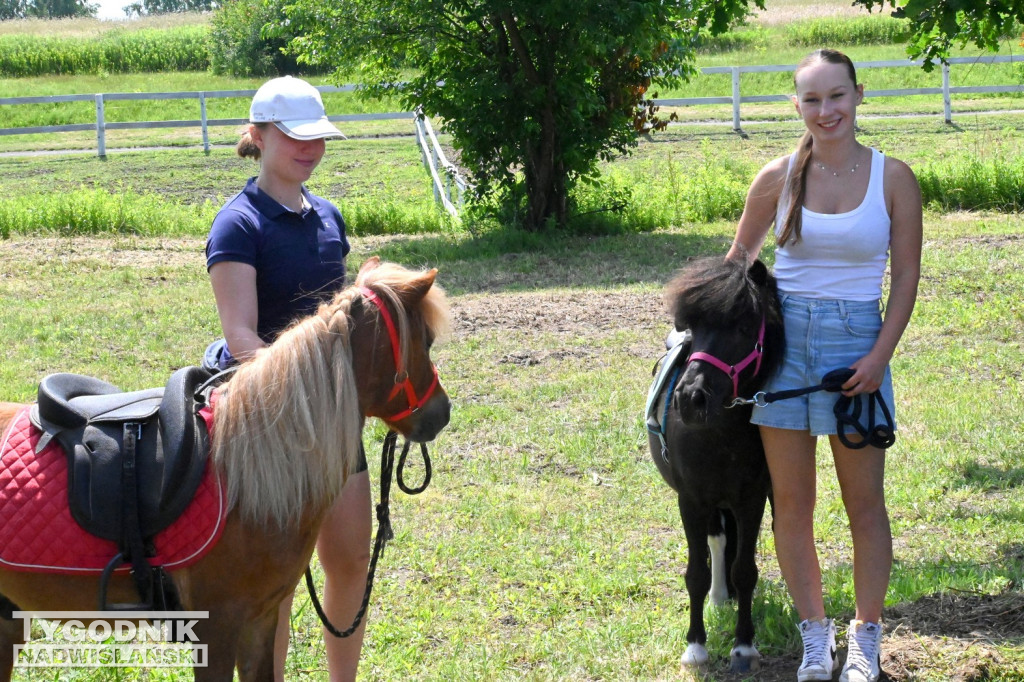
(736, 99)
(445, 175)
(203, 122)
(947, 91)
(437, 164)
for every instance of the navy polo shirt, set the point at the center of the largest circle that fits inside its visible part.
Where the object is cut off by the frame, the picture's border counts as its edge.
(299, 258)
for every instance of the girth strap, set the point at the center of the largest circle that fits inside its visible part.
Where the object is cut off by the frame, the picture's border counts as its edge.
(132, 546)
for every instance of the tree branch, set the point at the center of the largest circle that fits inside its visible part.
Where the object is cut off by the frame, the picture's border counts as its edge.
(519, 45)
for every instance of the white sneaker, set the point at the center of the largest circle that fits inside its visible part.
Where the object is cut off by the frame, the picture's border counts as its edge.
(819, 650)
(863, 658)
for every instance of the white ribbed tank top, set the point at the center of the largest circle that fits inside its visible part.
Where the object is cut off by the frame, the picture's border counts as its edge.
(839, 255)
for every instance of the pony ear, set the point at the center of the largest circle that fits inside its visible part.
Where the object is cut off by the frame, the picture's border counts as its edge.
(371, 264)
(758, 273)
(419, 287)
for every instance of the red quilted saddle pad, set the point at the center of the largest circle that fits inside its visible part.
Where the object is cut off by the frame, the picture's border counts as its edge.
(37, 532)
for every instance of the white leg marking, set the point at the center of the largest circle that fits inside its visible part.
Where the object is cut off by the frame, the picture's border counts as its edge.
(719, 589)
(696, 655)
(744, 659)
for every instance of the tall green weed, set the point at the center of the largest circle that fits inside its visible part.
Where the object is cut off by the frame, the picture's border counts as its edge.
(97, 211)
(845, 31)
(394, 216)
(663, 192)
(994, 184)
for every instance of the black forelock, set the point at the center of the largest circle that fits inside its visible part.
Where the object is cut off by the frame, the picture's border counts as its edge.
(713, 290)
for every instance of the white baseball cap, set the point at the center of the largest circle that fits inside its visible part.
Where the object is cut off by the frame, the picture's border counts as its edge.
(295, 107)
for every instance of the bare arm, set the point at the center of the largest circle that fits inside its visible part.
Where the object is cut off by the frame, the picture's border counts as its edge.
(234, 287)
(903, 197)
(759, 210)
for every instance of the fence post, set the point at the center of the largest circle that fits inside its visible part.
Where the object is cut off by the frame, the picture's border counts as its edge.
(101, 129)
(947, 105)
(736, 98)
(202, 117)
(433, 159)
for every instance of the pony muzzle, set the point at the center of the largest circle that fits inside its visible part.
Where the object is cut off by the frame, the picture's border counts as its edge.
(423, 424)
(694, 398)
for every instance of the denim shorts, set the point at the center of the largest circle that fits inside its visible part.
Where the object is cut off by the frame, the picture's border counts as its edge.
(821, 335)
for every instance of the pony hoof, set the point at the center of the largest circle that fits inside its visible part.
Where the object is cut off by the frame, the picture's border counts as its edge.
(744, 659)
(695, 656)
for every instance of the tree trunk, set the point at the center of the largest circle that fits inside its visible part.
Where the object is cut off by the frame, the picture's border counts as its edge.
(546, 193)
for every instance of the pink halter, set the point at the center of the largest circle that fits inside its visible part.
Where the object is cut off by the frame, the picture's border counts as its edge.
(734, 370)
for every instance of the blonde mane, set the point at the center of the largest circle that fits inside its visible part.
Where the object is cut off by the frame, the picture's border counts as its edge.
(287, 427)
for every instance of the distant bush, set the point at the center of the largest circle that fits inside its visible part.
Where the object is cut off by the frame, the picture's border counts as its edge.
(118, 51)
(240, 47)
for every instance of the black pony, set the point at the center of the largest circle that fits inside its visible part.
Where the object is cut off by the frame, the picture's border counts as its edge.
(712, 455)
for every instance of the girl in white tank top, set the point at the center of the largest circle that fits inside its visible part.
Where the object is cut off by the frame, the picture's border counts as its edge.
(830, 263)
(838, 255)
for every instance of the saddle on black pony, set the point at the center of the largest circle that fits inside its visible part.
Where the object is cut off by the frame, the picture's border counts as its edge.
(135, 461)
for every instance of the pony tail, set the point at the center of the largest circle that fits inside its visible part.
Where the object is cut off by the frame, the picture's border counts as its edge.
(796, 187)
(246, 148)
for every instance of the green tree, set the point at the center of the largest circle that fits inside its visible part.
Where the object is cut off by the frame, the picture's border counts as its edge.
(238, 45)
(12, 9)
(534, 92)
(939, 24)
(146, 7)
(46, 9)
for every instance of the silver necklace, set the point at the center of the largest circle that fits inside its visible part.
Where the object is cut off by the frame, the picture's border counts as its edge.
(835, 173)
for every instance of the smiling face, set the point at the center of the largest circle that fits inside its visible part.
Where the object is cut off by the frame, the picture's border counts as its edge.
(290, 161)
(827, 99)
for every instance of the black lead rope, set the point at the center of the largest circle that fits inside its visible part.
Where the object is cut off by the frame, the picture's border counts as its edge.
(847, 410)
(384, 532)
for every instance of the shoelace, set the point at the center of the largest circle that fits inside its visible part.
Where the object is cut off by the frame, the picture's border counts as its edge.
(815, 645)
(863, 651)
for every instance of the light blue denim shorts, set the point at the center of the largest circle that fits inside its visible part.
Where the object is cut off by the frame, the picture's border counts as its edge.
(821, 335)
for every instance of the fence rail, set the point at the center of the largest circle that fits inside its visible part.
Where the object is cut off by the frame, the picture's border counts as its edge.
(437, 163)
(203, 122)
(736, 99)
(947, 90)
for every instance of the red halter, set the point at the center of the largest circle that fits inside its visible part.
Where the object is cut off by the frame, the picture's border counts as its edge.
(734, 370)
(402, 380)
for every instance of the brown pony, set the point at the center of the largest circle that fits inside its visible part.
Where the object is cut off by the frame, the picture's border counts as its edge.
(287, 428)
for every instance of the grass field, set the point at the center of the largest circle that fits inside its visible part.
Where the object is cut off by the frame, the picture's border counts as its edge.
(547, 546)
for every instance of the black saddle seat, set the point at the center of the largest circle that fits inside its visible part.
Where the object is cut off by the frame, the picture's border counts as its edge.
(88, 417)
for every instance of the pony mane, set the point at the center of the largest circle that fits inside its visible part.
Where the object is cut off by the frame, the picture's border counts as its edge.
(724, 293)
(287, 427)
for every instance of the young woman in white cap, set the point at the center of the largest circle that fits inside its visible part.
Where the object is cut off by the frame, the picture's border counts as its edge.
(841, 212)
(274, 253)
